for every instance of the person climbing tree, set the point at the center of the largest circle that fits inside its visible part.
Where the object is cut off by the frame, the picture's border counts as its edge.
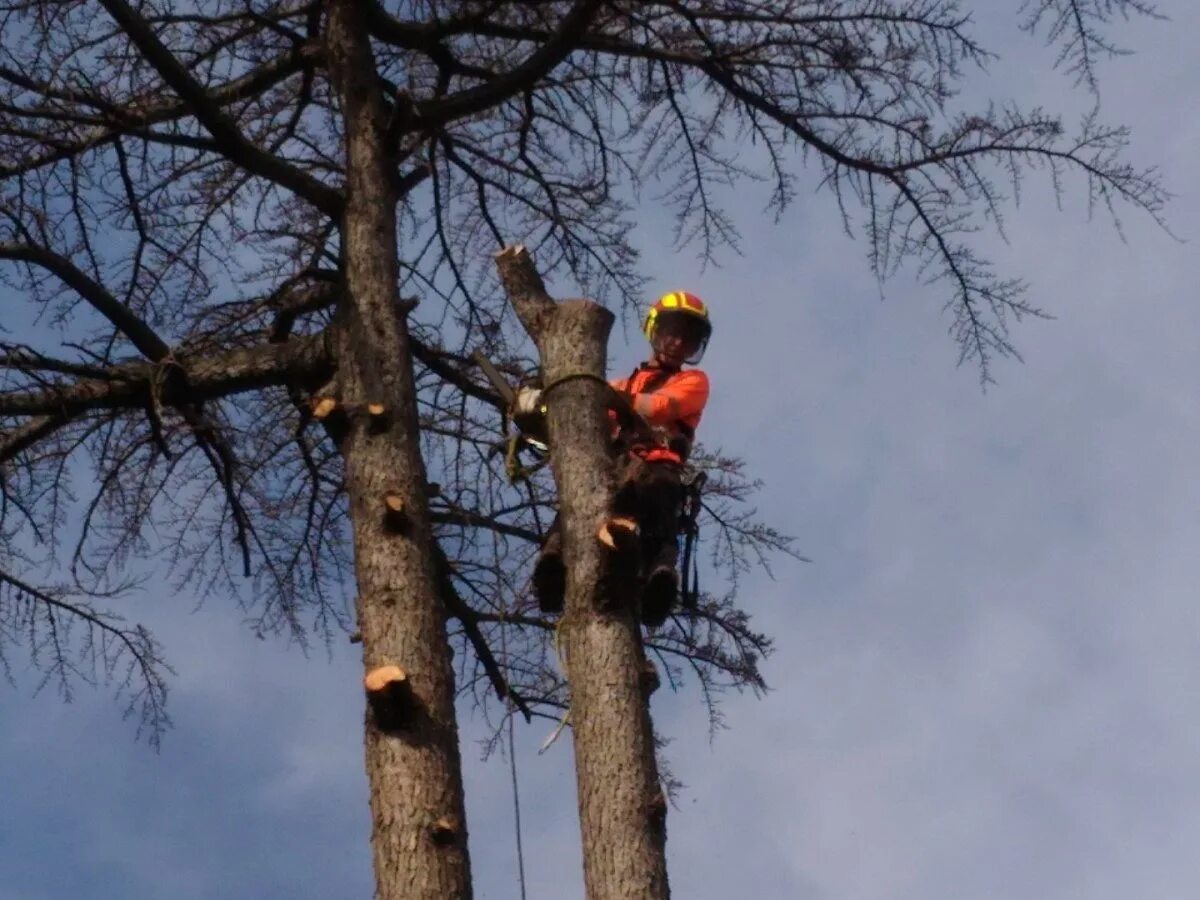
(668, 402)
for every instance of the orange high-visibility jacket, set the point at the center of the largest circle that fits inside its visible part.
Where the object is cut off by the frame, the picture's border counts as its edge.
(669, 400)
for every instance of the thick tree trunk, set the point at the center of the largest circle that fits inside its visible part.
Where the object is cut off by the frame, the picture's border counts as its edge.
(419, 838)
(622, 810)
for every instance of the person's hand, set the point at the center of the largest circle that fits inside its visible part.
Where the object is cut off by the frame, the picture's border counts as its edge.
(529, 401)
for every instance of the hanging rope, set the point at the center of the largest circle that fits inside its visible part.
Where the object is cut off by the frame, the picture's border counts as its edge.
(512, 760)
(562, 665)
(512, 750)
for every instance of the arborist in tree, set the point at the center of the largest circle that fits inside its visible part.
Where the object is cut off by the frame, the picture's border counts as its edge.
(670, 399)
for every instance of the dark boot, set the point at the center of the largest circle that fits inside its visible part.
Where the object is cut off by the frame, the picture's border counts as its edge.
(660, 590)
(550, 575)
(659, 595)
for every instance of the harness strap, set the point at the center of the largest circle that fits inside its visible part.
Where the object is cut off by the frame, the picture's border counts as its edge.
(680, 444)
(689, 525)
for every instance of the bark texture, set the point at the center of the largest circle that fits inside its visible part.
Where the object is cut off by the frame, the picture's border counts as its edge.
(622, 811)
(419, 838)
(129, 385)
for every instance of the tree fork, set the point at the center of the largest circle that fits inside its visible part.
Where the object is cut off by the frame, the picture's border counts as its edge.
(414, 772)
(622, 822)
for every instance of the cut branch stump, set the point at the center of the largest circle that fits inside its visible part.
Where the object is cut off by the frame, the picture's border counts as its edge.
(390, 697)
(395, 517)
(445, 831)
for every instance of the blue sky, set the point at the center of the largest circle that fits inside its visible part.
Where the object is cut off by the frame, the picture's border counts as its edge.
(986, 679)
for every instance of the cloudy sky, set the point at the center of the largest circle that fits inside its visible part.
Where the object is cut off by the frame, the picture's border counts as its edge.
(987, 682)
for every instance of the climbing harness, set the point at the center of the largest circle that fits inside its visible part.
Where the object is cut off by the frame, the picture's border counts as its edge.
(669, 444)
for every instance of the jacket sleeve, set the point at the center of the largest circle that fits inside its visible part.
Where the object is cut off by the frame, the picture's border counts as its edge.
(683, 397)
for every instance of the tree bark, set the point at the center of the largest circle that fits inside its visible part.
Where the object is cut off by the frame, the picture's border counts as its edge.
(419, 838)
(622, 810)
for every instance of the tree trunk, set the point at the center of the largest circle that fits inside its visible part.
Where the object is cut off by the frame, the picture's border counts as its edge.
(622, 809)
(419, 838)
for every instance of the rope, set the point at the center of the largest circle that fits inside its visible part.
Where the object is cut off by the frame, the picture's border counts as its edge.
(512, 760)
(562, 665)
(624, 412)
(573, 376)
(517, 441)
(158, 380)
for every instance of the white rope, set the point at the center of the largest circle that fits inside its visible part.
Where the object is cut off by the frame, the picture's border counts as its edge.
(512, 749)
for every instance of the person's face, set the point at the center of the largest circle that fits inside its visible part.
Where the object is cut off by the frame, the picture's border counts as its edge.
(676, 339)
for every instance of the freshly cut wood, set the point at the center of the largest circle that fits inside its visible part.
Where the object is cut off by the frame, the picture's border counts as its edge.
(322, 407)
(378, 419)
(383, 677)
(395, 517)
(390, 697)
(618, 533)
(445, 830)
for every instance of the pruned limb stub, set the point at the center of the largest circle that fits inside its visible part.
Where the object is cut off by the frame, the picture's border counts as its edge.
(395, 517)
(378, 419)
(445, 831)
(389, 695)
(618, 533)
(323, 407)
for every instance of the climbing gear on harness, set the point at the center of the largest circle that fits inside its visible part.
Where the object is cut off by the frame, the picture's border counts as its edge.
(669, 441)
(689, 527)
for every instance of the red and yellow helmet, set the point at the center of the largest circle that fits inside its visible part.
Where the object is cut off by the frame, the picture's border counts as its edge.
(686, 310)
